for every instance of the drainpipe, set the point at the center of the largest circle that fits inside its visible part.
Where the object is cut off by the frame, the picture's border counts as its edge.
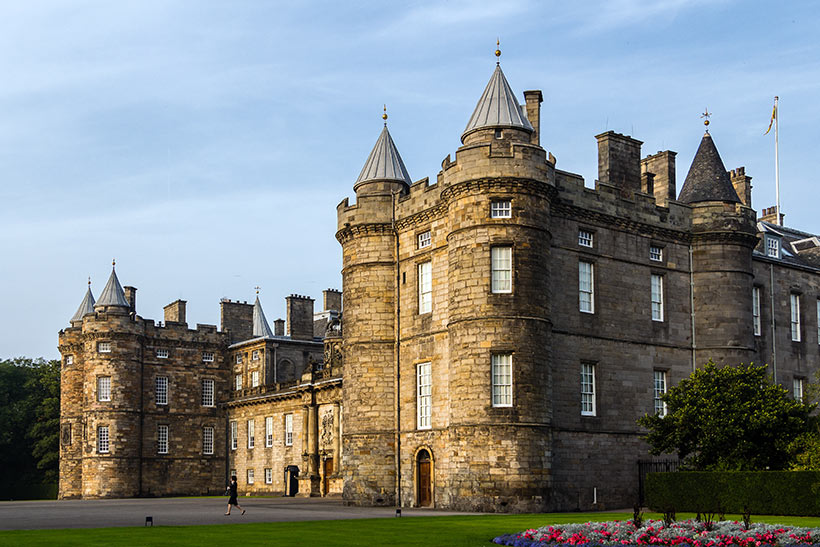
(692, 308)
(398, 356)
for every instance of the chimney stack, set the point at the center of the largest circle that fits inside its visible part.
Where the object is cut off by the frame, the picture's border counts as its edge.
(332, 300)
(175, 312)
(300, 317)
(533, 100)
(619, 161)
(742, 184)
(131, 297)
(662, 166)
(279, 327)
(236, 318)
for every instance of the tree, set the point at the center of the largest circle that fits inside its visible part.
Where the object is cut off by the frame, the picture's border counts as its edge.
(729, 418)
(44, 386)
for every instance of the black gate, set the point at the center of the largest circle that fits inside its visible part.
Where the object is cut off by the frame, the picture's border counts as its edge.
(648, 466)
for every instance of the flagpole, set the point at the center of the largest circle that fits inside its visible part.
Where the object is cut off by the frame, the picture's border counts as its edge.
(778, 221)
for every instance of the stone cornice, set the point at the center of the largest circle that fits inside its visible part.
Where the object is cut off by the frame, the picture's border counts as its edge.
(349, 232)
(742, 238)
(626, 224)
(499, 184)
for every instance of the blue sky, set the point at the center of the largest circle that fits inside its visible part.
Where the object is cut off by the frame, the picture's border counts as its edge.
(205, 145)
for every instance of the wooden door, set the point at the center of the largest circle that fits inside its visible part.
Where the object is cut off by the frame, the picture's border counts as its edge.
(424, 478)
(327, 468)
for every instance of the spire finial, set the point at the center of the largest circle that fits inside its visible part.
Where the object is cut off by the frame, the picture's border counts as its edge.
(113, 263)
(257, 289)
(498, 51)
(89, 281)
(706, 115)
(384, 115)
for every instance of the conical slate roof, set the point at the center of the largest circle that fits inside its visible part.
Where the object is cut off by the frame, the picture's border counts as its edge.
(86, 306)
(112, 294)
(384, 162)
(497, 107)
(260, 324)
(707, 179)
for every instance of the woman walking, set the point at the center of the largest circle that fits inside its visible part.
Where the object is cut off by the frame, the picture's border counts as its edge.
(232, 488)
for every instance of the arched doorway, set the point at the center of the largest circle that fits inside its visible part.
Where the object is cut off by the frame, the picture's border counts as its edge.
(424, 479)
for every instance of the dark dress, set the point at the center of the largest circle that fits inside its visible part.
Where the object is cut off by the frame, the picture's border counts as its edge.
(232, 487)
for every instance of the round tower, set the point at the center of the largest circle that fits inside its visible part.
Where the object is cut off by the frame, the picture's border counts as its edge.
(723, 237)
(498, 194)
(365, 231)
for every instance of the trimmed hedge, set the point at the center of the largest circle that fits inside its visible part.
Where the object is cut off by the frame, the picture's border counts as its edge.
(762, 492)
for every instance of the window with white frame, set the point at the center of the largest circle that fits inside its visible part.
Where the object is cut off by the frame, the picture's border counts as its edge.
(255, 378)
(162, 439)
(797, 389)
(501, 209)
(502, 379)
(238, 358)
(103, 388)
(424, 240)
(655, 253)
(234, 435)
(772, 247)
(102, 439)
(425, 287)
(269, 431)
(250, 476)
(103, 347)
(756, 311)
(251, 435)
(207, 357)
(233, 473)
(587, 389)
(586, 287)
(255, 355)
(501, 266)
(268, 475)
(69, 359)
(207, 393)
(288, 429)
(162, 354)
(208, 440)
(657, 297)
(237, 382)
(795, 316)
(161, 390)
(658, 390)
(585, 238)
(424, 390)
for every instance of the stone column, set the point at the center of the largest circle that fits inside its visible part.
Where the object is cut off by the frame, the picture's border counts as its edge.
(309, 480)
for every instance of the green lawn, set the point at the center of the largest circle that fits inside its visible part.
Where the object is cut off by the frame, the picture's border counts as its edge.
(458, 531)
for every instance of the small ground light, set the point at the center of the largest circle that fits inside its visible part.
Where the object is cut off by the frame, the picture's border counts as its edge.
(149, 519)
(398, 512)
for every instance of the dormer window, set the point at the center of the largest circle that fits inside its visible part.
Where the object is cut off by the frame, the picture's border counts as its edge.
(772, 246)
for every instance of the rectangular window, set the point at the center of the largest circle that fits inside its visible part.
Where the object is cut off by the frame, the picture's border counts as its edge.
(501, 265)
(424, 239)
(425, 287)
(251, 436)
(162, 439)
(255, 378)
(502, 379)
(658, 390)
(69, 359)
(587, 389)
(797, 384)
(657, 297)
(501, 209)
(269, 431)
(423, 395)
(586, 287)
(772, 247)
(655, 253)
(237, 382)
(795, 305)
(104, 388)
(234, 435)
(102, 439)
(208, 357)
(255, 355)
(238, 358)
(104, 347)
(756, 310)
(161, 390)
(250, 476)
(288, 429)
(585, 238)
(207, 393)
(268, 475)
(162, 354)
(233, 473)
(208, 440)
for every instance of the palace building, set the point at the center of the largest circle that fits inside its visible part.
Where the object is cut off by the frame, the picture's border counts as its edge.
(504, 326)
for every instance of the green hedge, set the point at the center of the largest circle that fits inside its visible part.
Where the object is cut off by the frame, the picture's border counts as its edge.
(763, 492)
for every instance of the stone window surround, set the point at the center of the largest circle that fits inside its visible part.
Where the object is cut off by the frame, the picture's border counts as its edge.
(238, 358)
(268, 475)
(500, 207)
(161, 390)
(255, 355)
(288, 429)
(237, 382)
(251, 433)
(757, 323)
(794, 315)
(162, 438)
(104, 347)
(659, 385)
(425, 297)
(424, 239)
(499, 391)
(797, 388)
(494, 288)
(162, 354)
(582, 291)
(656, 252)
(234, 434)
(586, 237)
(207, 357)
(103, 388)
(268, 431)
(69, 359)
(208, 440)
(589, 393)
(657, 304)
(424, 395)
(208, 392)
(250, 475)
(103, 439)
(254, 378)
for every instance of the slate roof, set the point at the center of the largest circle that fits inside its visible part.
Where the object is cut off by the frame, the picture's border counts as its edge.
(497, 107)
(86, 306)
(261, 329)
(384, 162)
(112, 294)
(707, 179)
(800, 249)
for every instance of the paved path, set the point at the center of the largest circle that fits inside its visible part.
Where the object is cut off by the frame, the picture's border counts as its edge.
(19, 515)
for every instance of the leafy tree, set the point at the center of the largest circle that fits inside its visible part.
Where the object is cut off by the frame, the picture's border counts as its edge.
(729, 418)
(44, 386)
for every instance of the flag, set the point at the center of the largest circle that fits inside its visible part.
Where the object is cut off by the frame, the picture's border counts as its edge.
(774, 117)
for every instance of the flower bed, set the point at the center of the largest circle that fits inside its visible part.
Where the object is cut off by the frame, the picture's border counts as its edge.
(687, 533)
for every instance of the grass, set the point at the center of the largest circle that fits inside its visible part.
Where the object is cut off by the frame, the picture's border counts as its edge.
(456, 531)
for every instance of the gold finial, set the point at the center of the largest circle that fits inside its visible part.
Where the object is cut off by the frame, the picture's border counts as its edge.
(257, 289)
(384, 115)
(706, 114)
(497, 50)
(113, 262)
(89, 281)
